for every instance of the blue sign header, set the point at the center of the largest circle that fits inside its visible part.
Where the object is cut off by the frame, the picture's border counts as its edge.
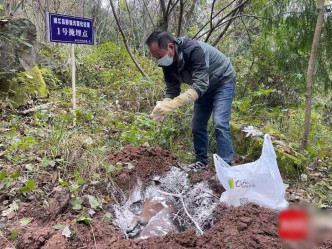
(69, 29)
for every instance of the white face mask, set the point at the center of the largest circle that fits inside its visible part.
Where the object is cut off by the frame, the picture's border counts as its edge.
(165, 61)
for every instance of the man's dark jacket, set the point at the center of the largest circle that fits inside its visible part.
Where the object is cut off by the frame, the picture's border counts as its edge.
(200, 65)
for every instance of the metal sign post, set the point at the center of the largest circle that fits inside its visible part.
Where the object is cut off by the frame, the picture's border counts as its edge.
(73, 79)
(70, 29)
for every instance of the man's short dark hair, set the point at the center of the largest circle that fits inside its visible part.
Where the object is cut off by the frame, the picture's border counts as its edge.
(163, 38)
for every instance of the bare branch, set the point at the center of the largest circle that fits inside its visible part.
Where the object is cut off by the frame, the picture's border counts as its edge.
(231, 13)
(211, 16)
(184, 208)
(39, 107)
(225, 29)
(126, 44)
(154, 27)
(225, 22)
(168, 6)
(195, 36)
(170, 11)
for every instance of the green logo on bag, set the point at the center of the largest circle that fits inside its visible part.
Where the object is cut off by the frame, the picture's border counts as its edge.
(244, 184)
(231, 183)
(240, 183)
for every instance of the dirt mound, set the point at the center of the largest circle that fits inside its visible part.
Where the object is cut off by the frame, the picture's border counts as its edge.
(247, 226)
(42, 234)
(243, 227)
(36, 238)
(146, 161)
(98, 235)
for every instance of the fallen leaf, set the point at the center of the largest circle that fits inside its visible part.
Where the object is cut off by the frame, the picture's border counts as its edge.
(66, 232)
(94, 202)
(59, 226)
(25, 221)
(77, 203)
(84, 220)
(13, 235)
(91, 212)
(286, 186)
(10, 212)
(130, 166)
(107, 217)
(286, 149)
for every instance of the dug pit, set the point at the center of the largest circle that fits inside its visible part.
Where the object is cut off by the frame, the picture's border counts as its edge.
(157, 198)
(169, 204)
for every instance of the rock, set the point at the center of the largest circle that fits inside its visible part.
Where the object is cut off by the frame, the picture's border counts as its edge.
(58, 203)
(241, 226)
(289, 165)
(23, 86)
(56, 241)
(20, 78)
(17, 40)
(246, 220)
(304, 177)
(3, 223)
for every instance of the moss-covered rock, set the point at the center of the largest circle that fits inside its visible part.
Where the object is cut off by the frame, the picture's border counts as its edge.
(51, 79)
(251, 147)
(17, 52)
(20, 89)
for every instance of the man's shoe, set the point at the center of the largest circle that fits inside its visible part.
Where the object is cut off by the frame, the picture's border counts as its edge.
(197, 166)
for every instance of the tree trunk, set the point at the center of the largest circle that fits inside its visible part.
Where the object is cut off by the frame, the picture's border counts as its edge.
(189, 14)
(126, 44)
(310, 73)
(8, 9)
(146, 7)
(166, 12)
(47, 7)
(180, 18)
(163, 23)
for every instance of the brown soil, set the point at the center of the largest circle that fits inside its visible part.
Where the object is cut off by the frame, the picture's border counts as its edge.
(39, 233)
(147, 162)
(247, 226)
(210, 176)
(58, 203)
(244, 227)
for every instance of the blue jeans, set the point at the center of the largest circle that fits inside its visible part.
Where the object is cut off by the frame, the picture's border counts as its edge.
(218, 102)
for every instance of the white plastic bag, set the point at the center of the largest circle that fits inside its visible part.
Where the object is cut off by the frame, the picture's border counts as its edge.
(258, 182)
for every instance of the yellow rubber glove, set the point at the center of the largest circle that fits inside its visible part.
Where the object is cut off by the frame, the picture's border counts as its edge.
(156, 115)
(165, 107)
